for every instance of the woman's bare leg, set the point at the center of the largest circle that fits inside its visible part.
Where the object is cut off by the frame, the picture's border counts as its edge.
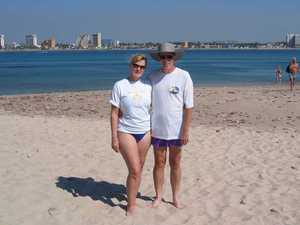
(130, 152)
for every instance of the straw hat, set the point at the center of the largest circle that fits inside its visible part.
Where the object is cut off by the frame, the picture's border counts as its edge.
(166, 48)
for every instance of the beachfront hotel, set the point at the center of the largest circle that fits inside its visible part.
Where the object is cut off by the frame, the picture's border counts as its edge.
(96, 40)
(185, 44)
(31, 41)
(2, 43)
(49, 44)
(82, 42)
(293, 40)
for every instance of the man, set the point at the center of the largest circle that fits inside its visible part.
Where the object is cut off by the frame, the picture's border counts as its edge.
(172, 103)
(293, 68)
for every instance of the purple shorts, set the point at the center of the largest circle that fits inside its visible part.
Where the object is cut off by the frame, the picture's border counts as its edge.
(162, 143)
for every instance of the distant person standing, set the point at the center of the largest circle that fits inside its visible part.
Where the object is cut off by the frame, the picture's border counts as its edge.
(172, 103)
(293, 69)
(278, 74)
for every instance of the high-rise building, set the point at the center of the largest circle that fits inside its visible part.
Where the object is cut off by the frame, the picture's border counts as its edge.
(293, 40)
(2, 42)
(185, 44)
(82, 42)
(96, 40)
(288, 39)
(31, 41)
(49, 44)
(297, 41)
(116, 43)
(52, 42)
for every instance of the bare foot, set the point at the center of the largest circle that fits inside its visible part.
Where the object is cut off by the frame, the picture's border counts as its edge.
(177, 204)
(130, 211)
(156, 203)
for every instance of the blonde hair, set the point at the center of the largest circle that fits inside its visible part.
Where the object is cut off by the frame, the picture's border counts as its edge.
(137, 58)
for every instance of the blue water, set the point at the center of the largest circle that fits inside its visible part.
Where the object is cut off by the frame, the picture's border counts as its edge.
(59, 71)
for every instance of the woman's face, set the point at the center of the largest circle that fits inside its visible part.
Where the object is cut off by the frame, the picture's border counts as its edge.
(137, 69)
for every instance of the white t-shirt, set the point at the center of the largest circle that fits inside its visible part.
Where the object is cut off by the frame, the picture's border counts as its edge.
(133, 98)
(171, 93)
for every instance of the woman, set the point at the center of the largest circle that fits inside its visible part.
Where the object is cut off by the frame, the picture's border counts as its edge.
(278, 74)
(130, 124)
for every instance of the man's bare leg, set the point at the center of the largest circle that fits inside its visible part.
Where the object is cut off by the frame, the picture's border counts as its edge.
(159, 173)
(175, 176)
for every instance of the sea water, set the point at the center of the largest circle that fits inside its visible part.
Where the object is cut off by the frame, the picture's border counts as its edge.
(26, 72)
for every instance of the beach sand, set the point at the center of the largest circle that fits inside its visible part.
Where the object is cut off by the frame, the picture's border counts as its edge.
(242, 165)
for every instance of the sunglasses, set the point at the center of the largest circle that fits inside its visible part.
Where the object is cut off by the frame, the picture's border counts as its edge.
(136, 66)
(169, 57)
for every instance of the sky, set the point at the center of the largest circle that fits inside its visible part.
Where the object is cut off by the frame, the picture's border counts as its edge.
(150, 20)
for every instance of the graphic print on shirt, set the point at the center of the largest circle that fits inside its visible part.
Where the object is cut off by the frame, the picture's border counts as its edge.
(174, 90)
(135, 95)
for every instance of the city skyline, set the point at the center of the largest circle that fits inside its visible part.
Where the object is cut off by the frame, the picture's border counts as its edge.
(142, 21)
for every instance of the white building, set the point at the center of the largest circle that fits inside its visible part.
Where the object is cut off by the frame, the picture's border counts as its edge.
(96, 40)
(116, 43)
(14, 45)
(31, 41)
(2, 42)
(293, 40)
(82, 42)
(289, 37)
(296, 41)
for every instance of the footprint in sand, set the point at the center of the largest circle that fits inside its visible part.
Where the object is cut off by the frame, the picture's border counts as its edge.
(52, 211)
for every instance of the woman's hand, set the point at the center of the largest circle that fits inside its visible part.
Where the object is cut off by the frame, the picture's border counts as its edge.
(115, 112)
(115, 144)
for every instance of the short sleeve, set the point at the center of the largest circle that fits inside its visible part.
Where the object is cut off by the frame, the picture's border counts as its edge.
(115, 96)
(188, 94)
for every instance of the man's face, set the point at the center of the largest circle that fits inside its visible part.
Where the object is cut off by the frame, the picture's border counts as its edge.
(167, 60)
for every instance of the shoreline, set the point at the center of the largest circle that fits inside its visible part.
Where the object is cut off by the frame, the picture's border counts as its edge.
(284, 83)
(263, 106)
(144, 49)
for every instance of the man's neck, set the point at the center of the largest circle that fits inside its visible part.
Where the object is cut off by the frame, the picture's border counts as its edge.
(168, 70)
